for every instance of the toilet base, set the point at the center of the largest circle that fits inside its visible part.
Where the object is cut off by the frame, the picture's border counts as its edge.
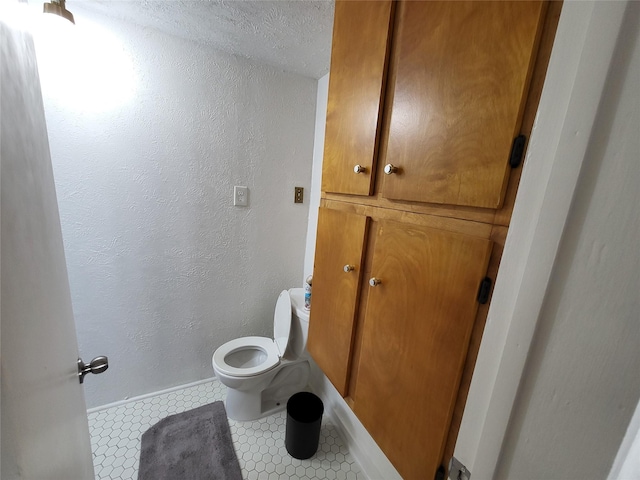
(244, 407)
(248, 405)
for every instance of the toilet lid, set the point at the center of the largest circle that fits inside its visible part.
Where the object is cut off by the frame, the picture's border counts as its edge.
(282, 322)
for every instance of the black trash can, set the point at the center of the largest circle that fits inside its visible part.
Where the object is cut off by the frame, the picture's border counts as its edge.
(304, 419)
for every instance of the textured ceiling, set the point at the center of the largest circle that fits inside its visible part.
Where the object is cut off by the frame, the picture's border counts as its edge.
(293, 35)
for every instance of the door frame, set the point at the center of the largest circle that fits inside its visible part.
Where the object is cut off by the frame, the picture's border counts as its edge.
(586, 37)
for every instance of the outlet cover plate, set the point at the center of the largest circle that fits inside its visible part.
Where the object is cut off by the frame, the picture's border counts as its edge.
(240, 196)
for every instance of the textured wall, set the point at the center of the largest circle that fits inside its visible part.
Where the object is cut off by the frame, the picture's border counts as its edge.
(316, 174)
(163, 268)
(581, 384)
(290, 34)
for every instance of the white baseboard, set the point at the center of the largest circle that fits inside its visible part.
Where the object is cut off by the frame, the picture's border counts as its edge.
(148, 395)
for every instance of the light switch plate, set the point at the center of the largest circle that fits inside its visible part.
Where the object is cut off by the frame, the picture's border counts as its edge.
(298, 195)
(240, 196)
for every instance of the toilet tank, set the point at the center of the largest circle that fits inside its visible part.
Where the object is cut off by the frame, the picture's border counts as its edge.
(299, 324)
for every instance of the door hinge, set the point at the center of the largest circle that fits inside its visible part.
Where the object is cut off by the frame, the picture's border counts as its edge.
(484, 290)
(457, 471)
(517, 151)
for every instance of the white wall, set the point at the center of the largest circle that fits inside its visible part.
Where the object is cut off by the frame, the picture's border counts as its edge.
(316, 174)
(581, 384)
(163, 268)
(627, 463)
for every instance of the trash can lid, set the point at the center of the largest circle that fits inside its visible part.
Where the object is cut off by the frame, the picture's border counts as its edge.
(305, 407)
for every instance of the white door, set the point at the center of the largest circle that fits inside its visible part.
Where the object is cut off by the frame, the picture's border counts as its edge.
(45, 434)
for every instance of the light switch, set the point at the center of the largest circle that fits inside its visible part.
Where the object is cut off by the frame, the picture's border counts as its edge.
(240, 196)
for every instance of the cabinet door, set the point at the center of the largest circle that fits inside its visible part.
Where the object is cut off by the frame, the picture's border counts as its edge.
(416, 333)
(358, 56)
(336, 274)
(462, 75)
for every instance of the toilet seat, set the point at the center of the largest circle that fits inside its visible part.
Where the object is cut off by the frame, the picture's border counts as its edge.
(273, 349)
(266, 345)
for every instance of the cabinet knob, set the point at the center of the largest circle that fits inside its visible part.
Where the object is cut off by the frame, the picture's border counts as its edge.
(348, 268)
(389, 168)
(373, 281)
(359, 169)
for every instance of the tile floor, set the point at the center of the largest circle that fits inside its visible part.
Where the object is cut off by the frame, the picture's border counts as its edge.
(116, 432)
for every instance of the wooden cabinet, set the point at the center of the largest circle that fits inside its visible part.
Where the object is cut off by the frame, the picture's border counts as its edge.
(461, 76)
(358, 65)
(338, 263)
(458, 83)
(419, 286)
(439, 90)
(415, 336)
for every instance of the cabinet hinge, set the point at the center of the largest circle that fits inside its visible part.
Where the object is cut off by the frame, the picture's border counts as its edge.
(484, 290)
(517, 150)
(457, 471)
(440, 473)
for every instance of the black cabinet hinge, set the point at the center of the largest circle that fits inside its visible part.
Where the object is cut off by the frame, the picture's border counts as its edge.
(440, 473)
(517, 151)
(484, 290)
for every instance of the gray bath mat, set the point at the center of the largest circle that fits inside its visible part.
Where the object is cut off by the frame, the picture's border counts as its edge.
(194, 445)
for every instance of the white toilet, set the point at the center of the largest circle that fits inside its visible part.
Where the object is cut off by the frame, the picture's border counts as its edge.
(262, 373)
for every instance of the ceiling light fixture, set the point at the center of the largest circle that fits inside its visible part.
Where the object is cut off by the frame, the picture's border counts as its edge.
(57, 7)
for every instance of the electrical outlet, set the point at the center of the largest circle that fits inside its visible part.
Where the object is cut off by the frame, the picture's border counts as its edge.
(298, 194)
(240, 196)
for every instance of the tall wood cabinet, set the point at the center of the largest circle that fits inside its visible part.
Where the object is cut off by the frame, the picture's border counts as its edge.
(425, 101)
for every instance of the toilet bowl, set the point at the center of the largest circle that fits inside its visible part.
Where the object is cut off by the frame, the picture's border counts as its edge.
(262, 373)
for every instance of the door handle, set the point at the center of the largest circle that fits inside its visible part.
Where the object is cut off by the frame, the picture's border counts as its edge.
(97, 365)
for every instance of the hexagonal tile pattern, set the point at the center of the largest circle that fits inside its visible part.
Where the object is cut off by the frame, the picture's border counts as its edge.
(116, 433)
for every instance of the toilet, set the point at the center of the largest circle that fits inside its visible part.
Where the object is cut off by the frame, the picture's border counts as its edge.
(262, 373)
